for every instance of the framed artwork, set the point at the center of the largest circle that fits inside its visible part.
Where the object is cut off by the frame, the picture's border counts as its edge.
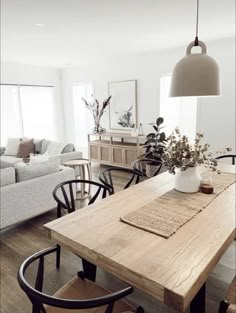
(123, 104)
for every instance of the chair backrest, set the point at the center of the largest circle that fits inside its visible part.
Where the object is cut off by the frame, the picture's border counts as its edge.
(229, 304)
(65, 194)
(38, 298)
(141, 166)
(126, 175)
(227, 156)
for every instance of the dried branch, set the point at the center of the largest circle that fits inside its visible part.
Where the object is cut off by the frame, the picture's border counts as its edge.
(94, 108)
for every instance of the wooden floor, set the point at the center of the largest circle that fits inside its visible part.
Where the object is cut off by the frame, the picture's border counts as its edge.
(23, 240)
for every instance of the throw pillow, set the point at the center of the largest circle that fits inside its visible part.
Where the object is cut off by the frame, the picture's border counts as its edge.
(38, 169)
(38, 145)
(12, 146)
(68, 148)
(25, 148)
(39, 158)
(55, 148)
(44, 146)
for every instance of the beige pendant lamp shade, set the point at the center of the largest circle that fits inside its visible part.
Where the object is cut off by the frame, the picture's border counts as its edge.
(197, 74)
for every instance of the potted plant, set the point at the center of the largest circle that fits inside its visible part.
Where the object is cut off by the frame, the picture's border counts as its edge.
(154, 146)
(183, 158)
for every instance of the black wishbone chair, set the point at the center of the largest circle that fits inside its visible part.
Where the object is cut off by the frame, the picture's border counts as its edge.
(229, 304)
(140, 166)
(65, 196)
(106, 177)
(79, 295)
(227, 156)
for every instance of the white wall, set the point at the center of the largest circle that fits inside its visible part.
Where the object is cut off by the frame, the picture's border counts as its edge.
(12, 73)
(215, 115)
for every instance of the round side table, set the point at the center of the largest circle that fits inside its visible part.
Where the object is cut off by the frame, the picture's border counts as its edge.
(84, 166)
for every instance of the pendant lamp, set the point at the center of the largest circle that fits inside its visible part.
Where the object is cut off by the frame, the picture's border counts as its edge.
(197, 74)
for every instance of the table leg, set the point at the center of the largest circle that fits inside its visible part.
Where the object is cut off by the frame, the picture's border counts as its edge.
(82, 186)
(89, 172)
(198, 303)
(89, 270)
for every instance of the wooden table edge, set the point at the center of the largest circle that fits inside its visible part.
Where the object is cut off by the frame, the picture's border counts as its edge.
(103, 263)
(168, 297)
(181, 302)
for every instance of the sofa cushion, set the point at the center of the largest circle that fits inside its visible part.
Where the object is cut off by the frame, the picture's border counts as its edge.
(12, 146)
(68, 148)
(7, 176)
(4, 164)
(25, 148)
(9, 160)
(30, 171)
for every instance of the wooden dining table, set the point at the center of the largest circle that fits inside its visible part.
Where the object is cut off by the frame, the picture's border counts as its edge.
(172, 270)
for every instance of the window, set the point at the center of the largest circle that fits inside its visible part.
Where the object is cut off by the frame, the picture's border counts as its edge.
(11, 120)
(181, 112)
(82, 116)
(37, 105)
(27, 112)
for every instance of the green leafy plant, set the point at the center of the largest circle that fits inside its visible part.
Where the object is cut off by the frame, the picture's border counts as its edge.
(155, 143)
(181, 154)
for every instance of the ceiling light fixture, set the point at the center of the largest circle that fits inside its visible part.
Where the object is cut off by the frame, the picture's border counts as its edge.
(39, 25)
(197, 74)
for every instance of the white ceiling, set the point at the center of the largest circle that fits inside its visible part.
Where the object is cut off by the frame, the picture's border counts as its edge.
(77, 30)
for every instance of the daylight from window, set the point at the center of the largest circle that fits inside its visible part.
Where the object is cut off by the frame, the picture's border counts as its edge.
(27, 112)
(181, 112)
(82, 117)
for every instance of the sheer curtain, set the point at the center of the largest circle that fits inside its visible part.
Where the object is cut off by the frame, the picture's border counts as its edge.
(181, 112)
(82, 116)
(11, 118)
(27, 112)
(38, 112)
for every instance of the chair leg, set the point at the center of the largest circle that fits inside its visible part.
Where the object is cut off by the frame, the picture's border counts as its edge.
(36, 308)
(223, 307)
(58, 257)
(58, 211)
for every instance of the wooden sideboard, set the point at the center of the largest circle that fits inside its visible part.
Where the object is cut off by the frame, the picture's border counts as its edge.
(115, 149)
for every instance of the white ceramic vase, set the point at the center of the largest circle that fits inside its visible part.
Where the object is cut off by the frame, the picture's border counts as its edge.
(188, 181)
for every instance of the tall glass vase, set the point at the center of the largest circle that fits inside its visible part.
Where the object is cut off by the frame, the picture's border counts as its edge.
(98, 129)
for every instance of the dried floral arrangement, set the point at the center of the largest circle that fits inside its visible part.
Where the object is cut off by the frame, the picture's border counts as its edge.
(180, 153)
(97, 113)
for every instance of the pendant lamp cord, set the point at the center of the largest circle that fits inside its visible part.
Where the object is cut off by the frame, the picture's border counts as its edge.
(196, 38)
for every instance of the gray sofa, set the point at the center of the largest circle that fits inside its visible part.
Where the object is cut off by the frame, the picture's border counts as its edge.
(28, 198)
(65, 151)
